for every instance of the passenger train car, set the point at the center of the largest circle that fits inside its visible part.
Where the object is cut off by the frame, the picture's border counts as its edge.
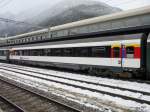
(118, 54)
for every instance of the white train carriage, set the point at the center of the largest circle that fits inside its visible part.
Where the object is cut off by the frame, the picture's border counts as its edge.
(123, 53)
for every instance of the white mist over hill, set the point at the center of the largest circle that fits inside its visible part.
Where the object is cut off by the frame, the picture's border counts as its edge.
(61, 12)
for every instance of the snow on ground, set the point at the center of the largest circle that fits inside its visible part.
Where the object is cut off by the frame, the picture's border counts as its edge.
(101, 88)
(47, 88)
(118, 83)
(103, 98)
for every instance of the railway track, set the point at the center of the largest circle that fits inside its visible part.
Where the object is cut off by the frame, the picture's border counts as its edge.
(23, 100)
(19, 70)
(78, 80)
(8, 106)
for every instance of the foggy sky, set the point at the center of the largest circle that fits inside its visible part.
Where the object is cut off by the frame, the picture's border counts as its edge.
(17, 6)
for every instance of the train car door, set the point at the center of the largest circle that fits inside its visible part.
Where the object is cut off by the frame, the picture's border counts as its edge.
(116, 55)
(123, 55)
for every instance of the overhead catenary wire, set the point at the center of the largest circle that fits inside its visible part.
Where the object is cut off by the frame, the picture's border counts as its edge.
(19, 23)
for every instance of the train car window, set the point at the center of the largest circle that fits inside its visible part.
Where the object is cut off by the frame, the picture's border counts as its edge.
(23, 40)
(41, 37)
(37, 38)
(67, 52)
(34, 52)
(27, 52)
(26, 40)
(94, 28)
(17, 53)
(29, 39)
(13, 52)
(54, 34)
(73, 31)
(56, 52)
(130, 52)
(65, 32)
(24, 53)
(108, 52)
(48, 52)
(81, 52)
(41, 52)
(84, 29)
(98, 51)
(2, 53)
(101, 51)
(21, 52)
(116, 52)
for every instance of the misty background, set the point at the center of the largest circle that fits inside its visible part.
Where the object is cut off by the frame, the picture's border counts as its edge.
(20, 16)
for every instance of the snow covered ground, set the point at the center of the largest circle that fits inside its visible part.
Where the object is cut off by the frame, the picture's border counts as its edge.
(96, 87)
(118, 83)
(86, 97)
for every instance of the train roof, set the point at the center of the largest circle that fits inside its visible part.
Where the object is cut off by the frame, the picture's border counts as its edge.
(114, 16)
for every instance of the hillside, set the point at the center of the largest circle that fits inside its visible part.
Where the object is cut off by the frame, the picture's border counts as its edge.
(61, 13)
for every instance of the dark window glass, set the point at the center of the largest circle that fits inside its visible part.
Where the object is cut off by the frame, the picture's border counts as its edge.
(130, 52)
(2, 53)
(108, 51)
(67, 52)
(102, 51)
(98, 51)
(81, 52)
(48, 52)
(36, 52)
(25, 52)
(17, 53)
(116, 52)
(41, 52)
(56, 52)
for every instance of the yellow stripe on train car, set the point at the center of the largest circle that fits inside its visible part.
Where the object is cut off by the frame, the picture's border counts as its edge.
(132, 45)
(116, 45)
